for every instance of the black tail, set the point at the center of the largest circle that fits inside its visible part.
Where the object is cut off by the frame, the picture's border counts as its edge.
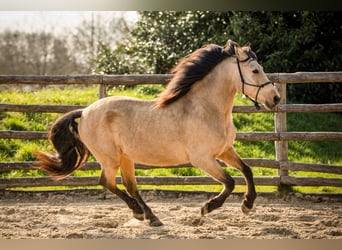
(71, 152)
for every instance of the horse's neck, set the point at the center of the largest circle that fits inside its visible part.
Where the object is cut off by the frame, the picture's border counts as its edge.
(217, 90)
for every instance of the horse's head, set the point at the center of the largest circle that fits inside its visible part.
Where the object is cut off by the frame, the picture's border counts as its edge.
(250, 74)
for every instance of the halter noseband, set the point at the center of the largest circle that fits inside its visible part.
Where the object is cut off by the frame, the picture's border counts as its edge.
(256, 104)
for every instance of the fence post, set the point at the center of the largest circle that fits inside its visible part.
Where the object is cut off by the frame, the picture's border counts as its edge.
(102, 91)
(281, 147)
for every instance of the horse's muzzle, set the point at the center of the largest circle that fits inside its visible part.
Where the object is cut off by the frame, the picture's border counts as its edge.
(270, 105)
(276, 100)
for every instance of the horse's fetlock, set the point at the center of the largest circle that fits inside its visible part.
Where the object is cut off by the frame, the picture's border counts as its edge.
(248, 204)
(251, 196)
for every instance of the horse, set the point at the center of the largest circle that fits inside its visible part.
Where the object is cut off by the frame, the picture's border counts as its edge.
(189, 122)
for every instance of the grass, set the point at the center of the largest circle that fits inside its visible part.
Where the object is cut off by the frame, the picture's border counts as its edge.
(312, 152)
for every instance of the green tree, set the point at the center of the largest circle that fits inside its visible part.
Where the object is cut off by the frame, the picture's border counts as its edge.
(164, 37)
(296, 41)
(118, 61)
(160, 39)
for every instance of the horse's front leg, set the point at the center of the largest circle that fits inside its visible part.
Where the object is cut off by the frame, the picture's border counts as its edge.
(211, 167)
(231, 158)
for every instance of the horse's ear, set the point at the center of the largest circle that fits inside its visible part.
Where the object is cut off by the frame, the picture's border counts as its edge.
(248, 44)
(230, 47)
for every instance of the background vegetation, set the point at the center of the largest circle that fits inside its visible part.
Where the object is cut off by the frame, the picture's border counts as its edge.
(284, 42)
(46, 52)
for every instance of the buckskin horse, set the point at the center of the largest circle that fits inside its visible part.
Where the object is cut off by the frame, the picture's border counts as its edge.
(189, 122)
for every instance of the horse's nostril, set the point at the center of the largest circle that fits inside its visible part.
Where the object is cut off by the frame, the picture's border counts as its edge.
(276, 99)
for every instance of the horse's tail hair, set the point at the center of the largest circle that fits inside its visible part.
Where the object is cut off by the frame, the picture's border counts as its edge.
(71, 152)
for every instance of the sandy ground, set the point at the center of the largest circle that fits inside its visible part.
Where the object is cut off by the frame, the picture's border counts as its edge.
(70, 216)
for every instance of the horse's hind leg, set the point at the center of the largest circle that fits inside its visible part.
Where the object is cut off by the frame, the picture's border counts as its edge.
(233, 159)
(107, 180)
(211, 167)
(129, 181)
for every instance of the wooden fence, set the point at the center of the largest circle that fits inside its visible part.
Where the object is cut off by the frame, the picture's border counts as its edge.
(280, 136)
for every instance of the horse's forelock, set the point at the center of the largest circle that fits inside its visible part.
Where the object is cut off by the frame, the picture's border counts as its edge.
(246, 51)
(250, 53)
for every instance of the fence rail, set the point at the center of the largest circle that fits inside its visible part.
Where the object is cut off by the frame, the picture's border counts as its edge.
(241, 136)
(134, 79)
(280, 136)
(255, 162)
(334, 107)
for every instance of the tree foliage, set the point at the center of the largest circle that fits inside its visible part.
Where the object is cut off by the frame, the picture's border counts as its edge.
(284, 42)
(160, 39)
(296, 41)
(164, 37)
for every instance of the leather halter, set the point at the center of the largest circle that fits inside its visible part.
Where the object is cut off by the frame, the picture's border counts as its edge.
(255, 101)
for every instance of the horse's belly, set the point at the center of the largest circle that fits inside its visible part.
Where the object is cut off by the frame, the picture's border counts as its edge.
(157, 161)
(157, 156)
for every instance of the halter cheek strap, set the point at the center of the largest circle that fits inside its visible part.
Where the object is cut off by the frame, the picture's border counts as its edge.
(255, 101)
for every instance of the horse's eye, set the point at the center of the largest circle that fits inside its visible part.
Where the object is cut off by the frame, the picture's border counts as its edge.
(255, 71)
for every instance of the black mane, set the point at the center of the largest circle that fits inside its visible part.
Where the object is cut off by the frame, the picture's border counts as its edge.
(190, 69)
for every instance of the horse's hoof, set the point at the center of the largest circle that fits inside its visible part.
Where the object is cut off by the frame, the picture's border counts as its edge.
(204, 210)
(245, 209)
(139, 216)
(156, 223)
